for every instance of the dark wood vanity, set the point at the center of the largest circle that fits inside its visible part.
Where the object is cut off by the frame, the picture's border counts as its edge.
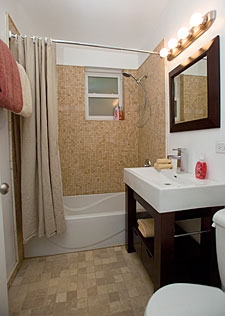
(171, 255)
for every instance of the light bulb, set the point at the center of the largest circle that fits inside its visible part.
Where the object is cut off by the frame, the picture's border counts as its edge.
(196, 19)
(172, 43)
(183, 33)
(163, 52)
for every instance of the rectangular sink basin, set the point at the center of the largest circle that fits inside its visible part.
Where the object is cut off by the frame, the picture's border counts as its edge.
(167, 190)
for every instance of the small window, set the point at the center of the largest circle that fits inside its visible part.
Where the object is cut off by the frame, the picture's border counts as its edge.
(103, 93)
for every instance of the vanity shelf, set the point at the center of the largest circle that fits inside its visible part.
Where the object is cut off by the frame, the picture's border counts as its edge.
(145, 249)
(169, 259)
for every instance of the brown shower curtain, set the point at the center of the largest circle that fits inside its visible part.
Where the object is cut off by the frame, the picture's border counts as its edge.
(41, 190)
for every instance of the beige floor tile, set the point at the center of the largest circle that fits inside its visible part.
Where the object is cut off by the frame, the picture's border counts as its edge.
(60, 297)
(100, 282)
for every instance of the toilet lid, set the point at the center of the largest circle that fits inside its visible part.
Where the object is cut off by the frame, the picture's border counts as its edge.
(186, 299)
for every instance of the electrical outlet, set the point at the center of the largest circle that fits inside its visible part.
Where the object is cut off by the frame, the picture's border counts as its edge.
(220, 148)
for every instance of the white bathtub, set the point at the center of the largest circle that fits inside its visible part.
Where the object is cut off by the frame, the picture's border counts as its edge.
(92, 221)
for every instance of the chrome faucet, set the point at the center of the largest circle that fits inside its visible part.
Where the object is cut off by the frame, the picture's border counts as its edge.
(181, 158)
(147, 163)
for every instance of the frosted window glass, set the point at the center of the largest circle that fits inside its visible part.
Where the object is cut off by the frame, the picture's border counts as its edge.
(104, 85)
(102, 106)
(103, 91)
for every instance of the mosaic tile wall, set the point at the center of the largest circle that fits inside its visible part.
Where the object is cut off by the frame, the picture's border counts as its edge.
(152, 140)
(193, 97)
(94, 153)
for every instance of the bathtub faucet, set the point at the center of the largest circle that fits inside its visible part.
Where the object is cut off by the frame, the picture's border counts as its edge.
(181, 158)
(147, 163)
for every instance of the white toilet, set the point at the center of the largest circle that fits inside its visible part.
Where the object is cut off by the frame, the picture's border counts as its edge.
(184, 299)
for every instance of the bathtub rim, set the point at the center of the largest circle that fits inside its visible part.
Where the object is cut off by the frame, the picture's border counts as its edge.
(75, 212)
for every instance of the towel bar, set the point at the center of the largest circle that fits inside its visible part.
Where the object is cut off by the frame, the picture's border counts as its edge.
(192, 233)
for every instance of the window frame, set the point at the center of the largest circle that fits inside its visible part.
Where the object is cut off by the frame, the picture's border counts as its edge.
(99, 72)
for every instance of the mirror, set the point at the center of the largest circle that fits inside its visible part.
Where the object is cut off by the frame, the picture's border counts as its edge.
(195, 91)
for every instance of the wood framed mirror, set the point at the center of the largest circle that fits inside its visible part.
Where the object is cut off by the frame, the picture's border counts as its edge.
(194, 88)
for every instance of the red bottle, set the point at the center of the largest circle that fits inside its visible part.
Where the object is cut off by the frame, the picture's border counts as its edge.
(201, 168)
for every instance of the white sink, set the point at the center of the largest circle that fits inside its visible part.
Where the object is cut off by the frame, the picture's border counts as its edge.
(167, 190)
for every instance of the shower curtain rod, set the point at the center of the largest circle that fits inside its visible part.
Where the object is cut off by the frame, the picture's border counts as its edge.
(92, 45)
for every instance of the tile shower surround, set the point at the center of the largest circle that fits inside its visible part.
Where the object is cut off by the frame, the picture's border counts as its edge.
(94, 153)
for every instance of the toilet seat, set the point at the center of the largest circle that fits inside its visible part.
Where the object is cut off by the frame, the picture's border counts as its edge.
(187, 300)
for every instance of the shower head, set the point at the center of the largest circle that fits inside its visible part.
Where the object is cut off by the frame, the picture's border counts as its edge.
(128, 75)
(146, 105)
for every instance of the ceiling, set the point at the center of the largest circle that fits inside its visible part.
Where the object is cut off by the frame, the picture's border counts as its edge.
(124, 23)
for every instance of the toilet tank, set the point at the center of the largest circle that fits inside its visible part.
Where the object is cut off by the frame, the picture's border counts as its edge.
(219, 222)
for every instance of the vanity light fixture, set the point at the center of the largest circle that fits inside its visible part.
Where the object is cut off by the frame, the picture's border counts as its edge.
(199, 24)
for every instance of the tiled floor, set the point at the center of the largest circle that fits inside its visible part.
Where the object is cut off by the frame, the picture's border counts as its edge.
(99, 282)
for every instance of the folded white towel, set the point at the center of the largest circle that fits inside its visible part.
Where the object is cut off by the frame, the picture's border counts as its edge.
(146, 227)
(26, 110)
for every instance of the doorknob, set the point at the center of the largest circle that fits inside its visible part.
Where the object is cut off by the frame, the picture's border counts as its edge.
(4, 188)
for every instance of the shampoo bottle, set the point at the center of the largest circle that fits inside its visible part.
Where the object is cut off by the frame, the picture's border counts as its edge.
(117, 113)
(201, 168)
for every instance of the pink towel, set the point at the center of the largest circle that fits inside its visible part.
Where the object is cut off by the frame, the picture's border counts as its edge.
(11, 96)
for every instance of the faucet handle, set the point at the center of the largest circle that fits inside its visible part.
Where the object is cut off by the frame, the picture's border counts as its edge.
(180, 150)
(182, 161)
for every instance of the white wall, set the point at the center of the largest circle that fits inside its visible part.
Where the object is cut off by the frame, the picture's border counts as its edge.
(176, 15)
(16, 12)
(68, 54)
(96, 57)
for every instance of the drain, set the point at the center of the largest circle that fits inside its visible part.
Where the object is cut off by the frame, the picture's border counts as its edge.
(167, 183)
